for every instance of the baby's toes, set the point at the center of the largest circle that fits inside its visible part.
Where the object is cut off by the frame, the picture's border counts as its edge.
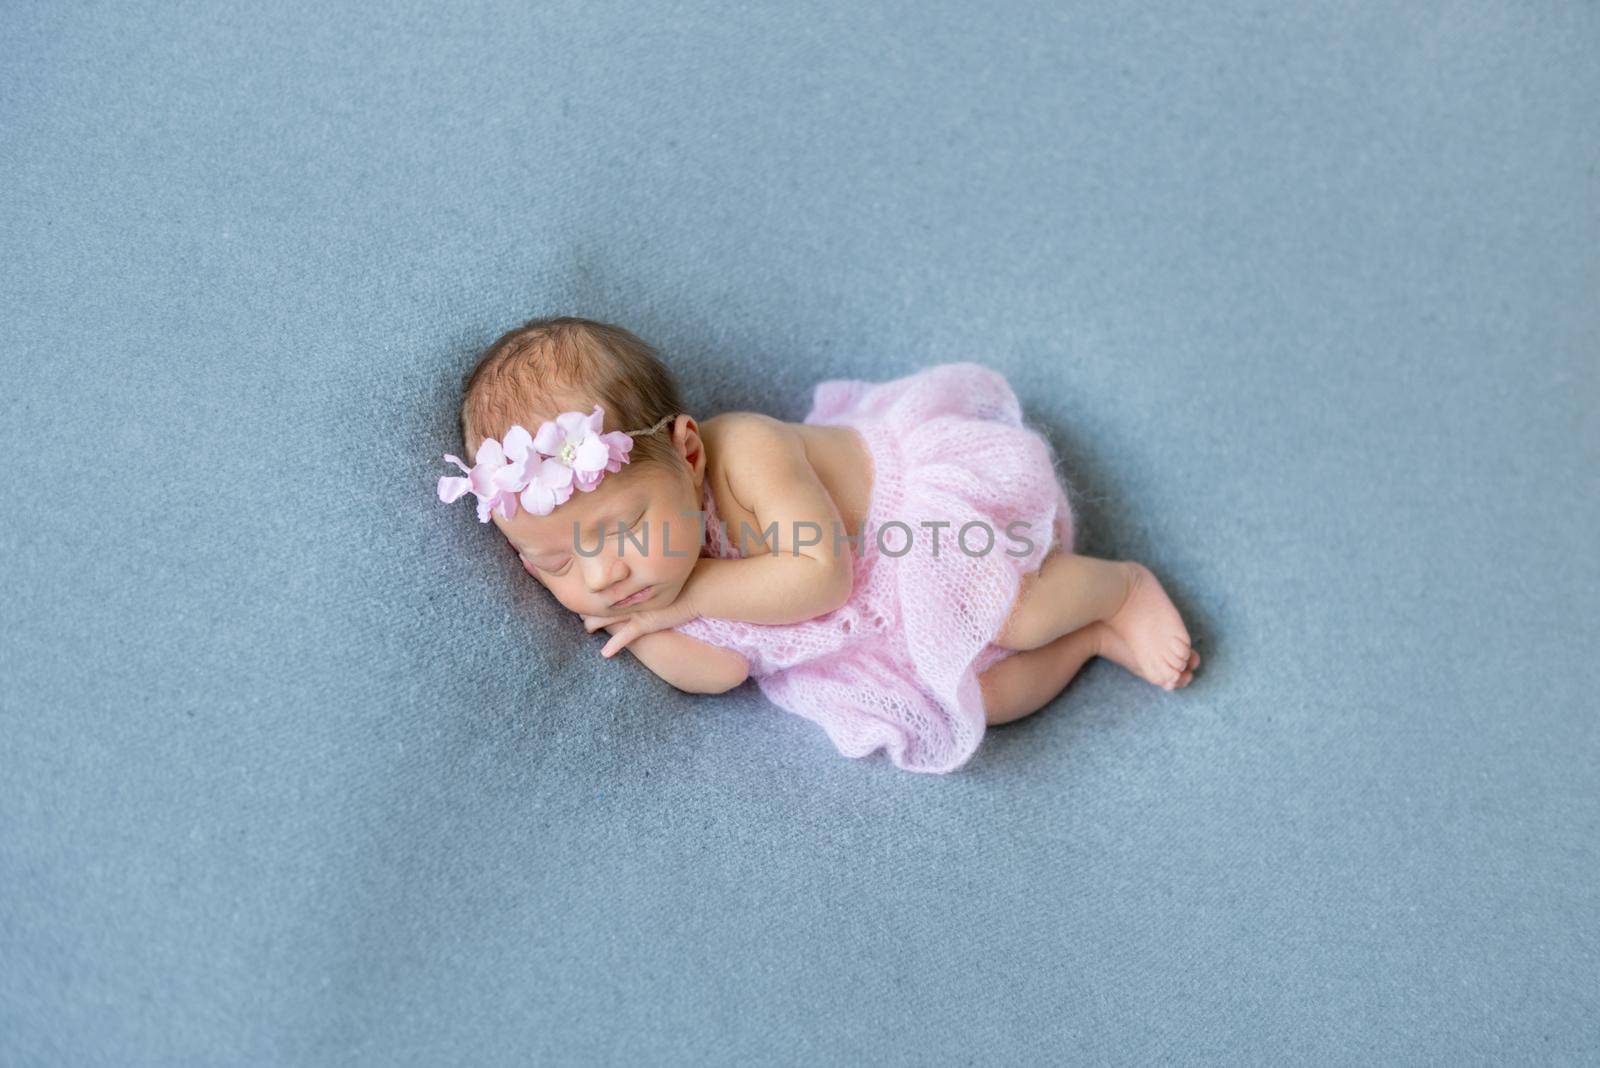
(1188, 675)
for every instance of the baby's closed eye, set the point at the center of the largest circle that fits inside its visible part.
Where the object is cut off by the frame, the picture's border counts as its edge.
(548, 567)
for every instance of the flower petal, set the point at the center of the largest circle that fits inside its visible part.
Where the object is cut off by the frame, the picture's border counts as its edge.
(573, 426)
(592, 454)
(549, 439)
(518, 442)
(489, 452)
(515, 475)
(452, 487)
(553, 475)
(538, 499)
(483, 478)
(618, 445)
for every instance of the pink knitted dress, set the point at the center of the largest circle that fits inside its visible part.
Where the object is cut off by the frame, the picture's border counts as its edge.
(896, 667)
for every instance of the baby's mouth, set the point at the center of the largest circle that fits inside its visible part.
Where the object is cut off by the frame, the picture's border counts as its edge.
(633, 598)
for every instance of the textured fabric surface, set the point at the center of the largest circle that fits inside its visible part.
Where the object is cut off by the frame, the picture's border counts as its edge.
(298, 766)
(966, 499)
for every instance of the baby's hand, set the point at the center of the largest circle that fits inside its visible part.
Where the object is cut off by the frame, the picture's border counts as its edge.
(624, 629)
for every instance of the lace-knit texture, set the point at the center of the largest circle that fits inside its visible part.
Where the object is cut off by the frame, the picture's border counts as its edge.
(897, 666)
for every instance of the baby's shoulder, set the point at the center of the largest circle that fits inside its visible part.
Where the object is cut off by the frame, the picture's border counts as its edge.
(738, 439)
(743, 425)
(749, 448)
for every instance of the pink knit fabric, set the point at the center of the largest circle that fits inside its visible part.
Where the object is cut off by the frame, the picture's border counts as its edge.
(897, 666)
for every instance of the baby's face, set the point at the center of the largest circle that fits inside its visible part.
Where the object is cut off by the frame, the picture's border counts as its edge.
(657, 510)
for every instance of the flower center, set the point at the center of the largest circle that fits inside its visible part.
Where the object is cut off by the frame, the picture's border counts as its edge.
(568, 453)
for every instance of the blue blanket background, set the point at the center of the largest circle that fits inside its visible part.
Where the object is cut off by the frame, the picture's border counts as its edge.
(296, 765)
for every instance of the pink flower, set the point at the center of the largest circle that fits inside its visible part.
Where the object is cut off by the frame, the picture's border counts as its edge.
(483, 479)
(540, 470)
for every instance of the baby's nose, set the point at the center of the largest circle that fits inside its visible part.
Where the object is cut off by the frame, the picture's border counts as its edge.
(606, 573)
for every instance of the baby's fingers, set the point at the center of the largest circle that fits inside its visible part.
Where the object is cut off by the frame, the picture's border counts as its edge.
(620, 639)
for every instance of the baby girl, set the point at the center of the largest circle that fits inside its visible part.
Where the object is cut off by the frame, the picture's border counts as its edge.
(897, 568)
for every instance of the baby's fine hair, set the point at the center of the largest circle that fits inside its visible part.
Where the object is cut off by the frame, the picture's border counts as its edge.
(546, 366)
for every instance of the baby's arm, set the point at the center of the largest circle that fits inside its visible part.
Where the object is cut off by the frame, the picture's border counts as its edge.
(688, 663)
(784, 577)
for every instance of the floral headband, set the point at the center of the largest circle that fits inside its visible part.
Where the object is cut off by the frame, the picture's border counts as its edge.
(540, 470)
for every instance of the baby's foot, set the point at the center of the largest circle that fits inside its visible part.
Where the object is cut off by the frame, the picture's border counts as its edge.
(1116, 650)
(1153, 638)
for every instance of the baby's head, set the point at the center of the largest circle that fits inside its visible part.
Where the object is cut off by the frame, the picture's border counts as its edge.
(548, 366)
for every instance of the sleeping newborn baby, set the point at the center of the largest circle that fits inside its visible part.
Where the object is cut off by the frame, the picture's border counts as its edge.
(896, 568)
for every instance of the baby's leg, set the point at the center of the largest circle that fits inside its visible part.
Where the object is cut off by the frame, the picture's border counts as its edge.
(1067, 592)
(1070, 591)
(1025, 682)
(1022, 684)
